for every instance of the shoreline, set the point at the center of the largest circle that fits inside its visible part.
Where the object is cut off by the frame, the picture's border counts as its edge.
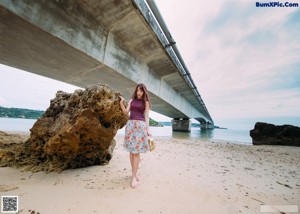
(14, 125)
(178, 136)
(179, 176)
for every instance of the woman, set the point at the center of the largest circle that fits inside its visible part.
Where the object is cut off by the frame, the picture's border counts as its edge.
(137, 128)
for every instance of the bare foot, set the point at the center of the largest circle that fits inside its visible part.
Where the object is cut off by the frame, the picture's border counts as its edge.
(134, 182)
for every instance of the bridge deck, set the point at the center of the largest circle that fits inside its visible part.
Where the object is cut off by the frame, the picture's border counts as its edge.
(87, 42)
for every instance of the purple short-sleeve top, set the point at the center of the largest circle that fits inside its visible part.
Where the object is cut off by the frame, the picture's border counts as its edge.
(137, 109)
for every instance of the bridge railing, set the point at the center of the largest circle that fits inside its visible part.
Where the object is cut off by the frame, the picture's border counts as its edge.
(153, 17)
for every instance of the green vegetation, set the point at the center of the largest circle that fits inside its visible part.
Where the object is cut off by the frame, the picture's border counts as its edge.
(153, 123)
(20, 113)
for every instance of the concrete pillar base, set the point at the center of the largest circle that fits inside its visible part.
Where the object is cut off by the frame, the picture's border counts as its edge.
(181, 125)
(206, 126)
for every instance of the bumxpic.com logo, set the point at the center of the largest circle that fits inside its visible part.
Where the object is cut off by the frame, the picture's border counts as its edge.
(276, 4)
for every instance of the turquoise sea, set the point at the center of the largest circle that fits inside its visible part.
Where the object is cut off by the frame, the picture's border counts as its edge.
(227, 135)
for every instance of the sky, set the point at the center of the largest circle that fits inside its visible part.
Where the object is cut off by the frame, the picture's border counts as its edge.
(244, 60)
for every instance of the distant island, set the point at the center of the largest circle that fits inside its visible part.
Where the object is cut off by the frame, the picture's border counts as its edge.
(154, 123)
(20, 113)
(35, 114)
(218, 127)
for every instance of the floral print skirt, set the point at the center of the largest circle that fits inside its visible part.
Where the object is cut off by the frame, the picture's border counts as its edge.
(136, 138)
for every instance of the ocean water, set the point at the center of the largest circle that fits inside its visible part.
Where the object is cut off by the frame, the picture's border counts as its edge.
(16, 124)
(227, 135)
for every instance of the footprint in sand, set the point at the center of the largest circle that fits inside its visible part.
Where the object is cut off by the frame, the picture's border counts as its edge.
(7, 188)
(33, 212)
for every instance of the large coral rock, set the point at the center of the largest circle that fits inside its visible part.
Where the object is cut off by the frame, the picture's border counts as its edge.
(269, 134)
(77, 130)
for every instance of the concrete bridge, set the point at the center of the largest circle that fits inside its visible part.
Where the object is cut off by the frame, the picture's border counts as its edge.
(116, 42)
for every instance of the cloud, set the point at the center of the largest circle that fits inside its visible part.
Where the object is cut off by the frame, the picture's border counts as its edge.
(291, 80)
(293, 20)
(261, 37)
(247, 59)
(262, 104)
(26, 90)
(232, 13)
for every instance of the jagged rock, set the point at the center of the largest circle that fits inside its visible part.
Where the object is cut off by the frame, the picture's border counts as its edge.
(77, 130)
(269, 134)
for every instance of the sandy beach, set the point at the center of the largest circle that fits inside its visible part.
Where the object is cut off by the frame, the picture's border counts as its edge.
(180, 176)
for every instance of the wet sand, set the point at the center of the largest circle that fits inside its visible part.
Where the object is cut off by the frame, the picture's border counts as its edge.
(180, 176)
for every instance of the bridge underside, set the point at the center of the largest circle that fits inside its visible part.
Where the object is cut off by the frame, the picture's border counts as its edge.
(89, 42)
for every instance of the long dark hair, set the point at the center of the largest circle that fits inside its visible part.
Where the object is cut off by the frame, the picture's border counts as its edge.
(142, 87)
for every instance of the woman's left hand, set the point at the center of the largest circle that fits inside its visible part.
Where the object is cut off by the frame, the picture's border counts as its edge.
(121, 99)
(149, 134)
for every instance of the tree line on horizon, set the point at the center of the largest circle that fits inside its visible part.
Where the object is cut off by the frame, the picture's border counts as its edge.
(20, 113)
(35, 114)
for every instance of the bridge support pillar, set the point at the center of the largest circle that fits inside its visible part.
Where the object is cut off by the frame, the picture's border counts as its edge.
(206, 126)
(181, 125)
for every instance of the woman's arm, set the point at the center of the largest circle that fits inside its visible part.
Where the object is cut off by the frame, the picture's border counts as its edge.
(147, 109)
(124, 110)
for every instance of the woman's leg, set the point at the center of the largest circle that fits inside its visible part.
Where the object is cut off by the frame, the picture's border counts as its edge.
(131, 159)
(131, 162)
(135, 166)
